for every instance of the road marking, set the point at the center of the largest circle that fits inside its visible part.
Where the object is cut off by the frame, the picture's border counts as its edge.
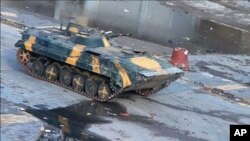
(231, 87)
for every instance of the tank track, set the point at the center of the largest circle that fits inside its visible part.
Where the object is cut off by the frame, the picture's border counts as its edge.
(115, 91)
(148, 92)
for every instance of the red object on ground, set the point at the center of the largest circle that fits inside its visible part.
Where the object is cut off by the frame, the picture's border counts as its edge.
(179, 58)
(124, 114)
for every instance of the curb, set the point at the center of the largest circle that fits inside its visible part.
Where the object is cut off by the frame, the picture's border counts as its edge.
(13, 23)
(222, 93)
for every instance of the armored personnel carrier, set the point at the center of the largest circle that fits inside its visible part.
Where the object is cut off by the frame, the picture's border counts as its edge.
(85, 62)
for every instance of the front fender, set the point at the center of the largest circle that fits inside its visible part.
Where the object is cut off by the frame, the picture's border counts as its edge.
(19, 43)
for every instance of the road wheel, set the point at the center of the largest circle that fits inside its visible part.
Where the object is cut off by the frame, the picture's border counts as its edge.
(78, 82)
(91, 87)
(23, 56)
(44, 61)
(51, 72)
(65, 76)
(37, 68)
(103, 91)
(145, 92)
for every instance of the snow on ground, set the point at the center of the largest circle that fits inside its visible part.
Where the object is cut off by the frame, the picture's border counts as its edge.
(219, 10)
(23, 17)
(230, 14)
(208, 5)
(242, 3)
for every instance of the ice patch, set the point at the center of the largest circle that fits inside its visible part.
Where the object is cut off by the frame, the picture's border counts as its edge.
(207, 74)
(9, 14)
(207, 5)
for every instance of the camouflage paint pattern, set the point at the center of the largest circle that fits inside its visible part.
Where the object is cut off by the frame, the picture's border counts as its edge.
(95, 54)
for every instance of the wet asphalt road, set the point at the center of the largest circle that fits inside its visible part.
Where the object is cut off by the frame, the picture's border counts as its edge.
(183, 111)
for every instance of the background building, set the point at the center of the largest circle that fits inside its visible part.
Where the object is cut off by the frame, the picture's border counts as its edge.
(154, 21)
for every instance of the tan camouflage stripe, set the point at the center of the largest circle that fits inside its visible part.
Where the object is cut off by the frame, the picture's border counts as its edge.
(105, 42)
(73, 29)
(96, 64)
(28, 44)
(123, 74)
(75, 54)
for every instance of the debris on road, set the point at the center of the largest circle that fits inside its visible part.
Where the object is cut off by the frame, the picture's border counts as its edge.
(124, 114)
(21, 109)
(179, 58)
(88, 114)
